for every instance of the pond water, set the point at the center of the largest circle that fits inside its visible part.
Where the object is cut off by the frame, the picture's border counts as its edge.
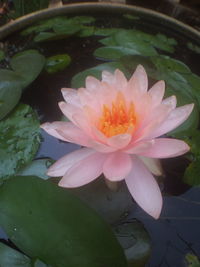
(122, 42)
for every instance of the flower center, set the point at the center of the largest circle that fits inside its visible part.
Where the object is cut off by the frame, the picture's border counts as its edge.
(118, 118)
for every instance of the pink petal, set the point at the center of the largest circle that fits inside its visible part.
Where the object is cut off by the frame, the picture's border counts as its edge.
(60, 167)
(139, 147)
(166, 148)
(101, 147)
(92, 84)
(84, 171)
(153, 165)
(51, 129)
(119, 141)
(139, 81)
(117, 166)
(170, 101)
(157, 92)
(144, 189)
(71, 96)
(87, 98)
(118, 80)
(71, 133)
(69, 110)
(174, 119)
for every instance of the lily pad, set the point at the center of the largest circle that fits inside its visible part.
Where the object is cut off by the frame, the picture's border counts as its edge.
(192, 260)
(10, 91)
(12, 258)
(28, 64)
(82, 238)
(19, 140)
(57, 63)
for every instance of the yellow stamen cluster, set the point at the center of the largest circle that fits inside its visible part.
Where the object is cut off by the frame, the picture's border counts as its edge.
(118, 118)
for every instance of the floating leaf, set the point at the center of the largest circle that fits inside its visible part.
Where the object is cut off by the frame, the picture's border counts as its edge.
(28, 64)
(83, 19)
(82, 238)
(57, 63)
(44, 25)
(45, 36)
(12, 258)
(19, 139)
(10, 91)
(67, 27)
(37, 167)
(136, 242)
(79, 79)
(114, 52)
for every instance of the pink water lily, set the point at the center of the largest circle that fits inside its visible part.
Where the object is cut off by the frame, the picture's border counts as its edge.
(118, 122)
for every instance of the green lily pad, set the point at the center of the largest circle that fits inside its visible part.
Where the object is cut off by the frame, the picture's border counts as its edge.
(80, 236)
(136, 243)
(10, 91)
(12, 258)
(28, 64)
(57, 63)
(79, 79)
(67, 27)
(39, 263)
(37, 167)
(44, 25)
(19, 140)
(45, 36)
(114, 52)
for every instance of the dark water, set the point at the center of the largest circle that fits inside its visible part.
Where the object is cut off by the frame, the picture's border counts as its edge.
(177, 232)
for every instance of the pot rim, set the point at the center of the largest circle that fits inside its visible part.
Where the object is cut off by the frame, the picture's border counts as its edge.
(88, 8)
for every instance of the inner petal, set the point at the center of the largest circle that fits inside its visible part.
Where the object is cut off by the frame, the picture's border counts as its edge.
(118, 118)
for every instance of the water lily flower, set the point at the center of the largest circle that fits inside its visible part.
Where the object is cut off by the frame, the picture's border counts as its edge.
(118, 122)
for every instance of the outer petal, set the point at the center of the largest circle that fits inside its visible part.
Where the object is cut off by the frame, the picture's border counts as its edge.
(139, 81)
(66, 131)
(139, 147)
(166, 148)
(174, 119)
(51, 129)
(117, 166)
(144, 189)
(157, 92)
(84, 171)
(65, 163)
(118, 80)
(70, 95)
(68, 110)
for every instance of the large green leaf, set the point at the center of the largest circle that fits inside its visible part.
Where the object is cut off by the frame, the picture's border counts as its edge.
(49, 223)
(12, 258)
(19, 140)
(2, 55)
(10, 91)
(28, 64)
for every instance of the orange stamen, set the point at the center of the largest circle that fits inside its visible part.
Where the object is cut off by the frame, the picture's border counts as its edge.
(118, 118)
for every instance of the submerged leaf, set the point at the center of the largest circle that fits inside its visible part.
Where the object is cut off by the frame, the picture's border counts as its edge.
(82, 238)
(12, 258)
